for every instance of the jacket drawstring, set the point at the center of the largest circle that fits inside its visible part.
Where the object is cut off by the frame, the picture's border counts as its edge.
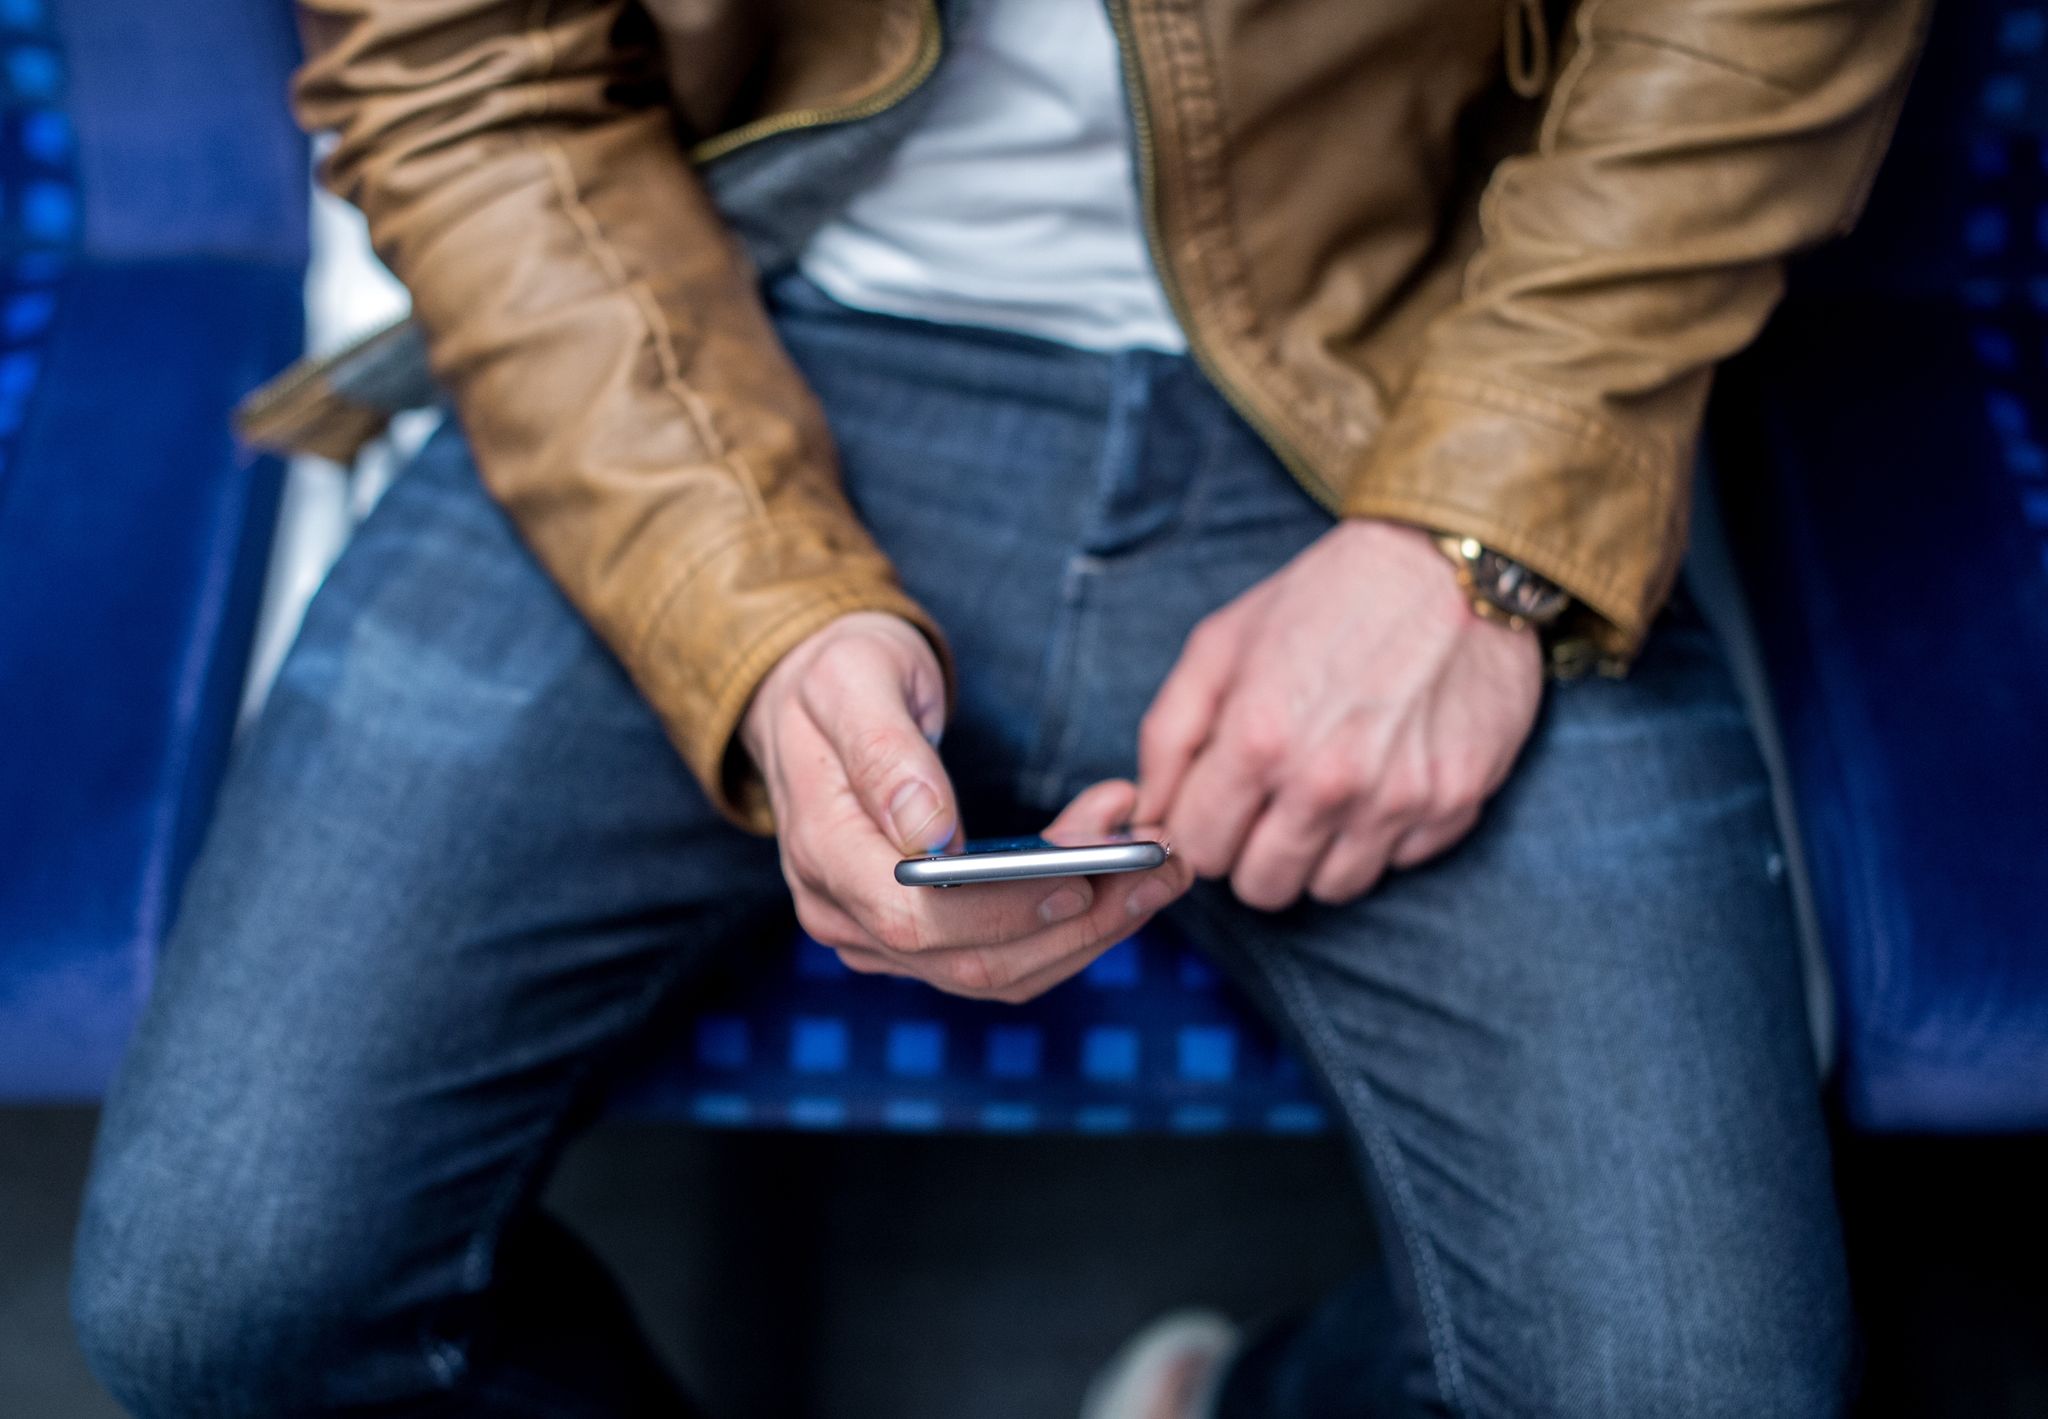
(1528, 47)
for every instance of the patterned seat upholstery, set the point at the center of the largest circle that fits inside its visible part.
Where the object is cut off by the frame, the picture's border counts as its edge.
(1146, 1039)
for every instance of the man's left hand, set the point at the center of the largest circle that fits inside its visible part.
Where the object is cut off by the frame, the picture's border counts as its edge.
(1348, 714)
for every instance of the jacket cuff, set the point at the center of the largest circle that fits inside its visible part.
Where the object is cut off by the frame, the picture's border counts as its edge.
(702, 706)
(1562, 493)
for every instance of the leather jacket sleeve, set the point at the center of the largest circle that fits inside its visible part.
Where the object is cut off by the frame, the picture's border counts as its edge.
(603, 340)
(1686, 150)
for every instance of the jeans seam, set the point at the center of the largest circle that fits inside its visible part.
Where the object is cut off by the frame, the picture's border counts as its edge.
(1384, 1155)
(1119, 454)
(449, 1359)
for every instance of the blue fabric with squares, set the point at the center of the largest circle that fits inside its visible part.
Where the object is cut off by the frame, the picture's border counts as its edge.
(1146, 1039)
(38, 207)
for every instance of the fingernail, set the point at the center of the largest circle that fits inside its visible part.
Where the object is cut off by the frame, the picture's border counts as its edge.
(910, 817)
(1063, 905)
(1148, 897)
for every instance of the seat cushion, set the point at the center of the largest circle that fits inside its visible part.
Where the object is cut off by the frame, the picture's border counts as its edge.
(1883, 450)
(150, 274)
(1147, 1039)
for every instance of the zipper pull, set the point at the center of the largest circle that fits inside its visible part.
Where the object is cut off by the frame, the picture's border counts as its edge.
(1527, 42)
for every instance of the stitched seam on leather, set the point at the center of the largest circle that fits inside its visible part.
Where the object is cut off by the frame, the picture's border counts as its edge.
(1532, 404)
(762, 645)
(729, 691)
(1199, 152)
(1212, 211)
(685, 572)
(1602, 588)
(1700, 56)
(1519, 402)
(691, 569)
(1568, 81)
(1599, 589)
(655, 328)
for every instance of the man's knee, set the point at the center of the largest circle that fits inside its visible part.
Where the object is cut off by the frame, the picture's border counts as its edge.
(192, 1305)
(158, 1321)
(1690, 1355)
(1812, 1384)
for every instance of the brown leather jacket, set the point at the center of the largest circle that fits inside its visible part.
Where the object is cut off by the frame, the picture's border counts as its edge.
(1450, 282)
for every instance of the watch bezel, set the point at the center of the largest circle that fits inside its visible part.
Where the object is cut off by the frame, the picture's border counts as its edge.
(1501, 588)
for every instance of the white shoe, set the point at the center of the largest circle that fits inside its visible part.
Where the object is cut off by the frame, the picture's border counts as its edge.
(1169, 1370)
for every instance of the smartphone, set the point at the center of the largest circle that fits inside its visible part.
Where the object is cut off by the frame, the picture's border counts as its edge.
(1011, 859)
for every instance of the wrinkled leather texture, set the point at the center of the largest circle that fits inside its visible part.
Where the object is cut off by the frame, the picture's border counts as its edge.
(1441, 303)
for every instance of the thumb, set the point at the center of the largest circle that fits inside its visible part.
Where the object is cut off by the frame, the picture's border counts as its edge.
(867, 708)
(1096, 812)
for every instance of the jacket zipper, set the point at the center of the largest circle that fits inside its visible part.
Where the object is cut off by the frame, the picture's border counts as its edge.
(888, 96)
(1148, 185)
(930, 42)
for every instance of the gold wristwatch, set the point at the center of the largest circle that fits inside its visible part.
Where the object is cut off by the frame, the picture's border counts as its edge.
(1502, 589)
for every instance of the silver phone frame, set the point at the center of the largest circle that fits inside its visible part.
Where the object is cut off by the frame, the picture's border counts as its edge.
(1022, 864)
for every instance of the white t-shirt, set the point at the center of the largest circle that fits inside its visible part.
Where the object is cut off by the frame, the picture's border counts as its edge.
(1013, 203)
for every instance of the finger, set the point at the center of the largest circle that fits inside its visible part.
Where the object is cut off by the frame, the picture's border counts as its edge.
(1037, 982)
(839, 863)
(1137, 906)
(1098, 810)
(1356, 860)
(1425, 840)
(1214, 810)
(846, 887)
(1182, 716)
(1123, 918)
(851, 867)
(824, 922)
(917, 920)
(1002, 914)
(1006, 913)
(969, 945)
(1124, 902)
(1281, 853)
(872, 963)
(865, 714)
(1127, 900)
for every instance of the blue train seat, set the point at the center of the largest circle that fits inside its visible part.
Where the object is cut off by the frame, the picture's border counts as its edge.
(152, 249)
(1146, 1039)
(1882, 451)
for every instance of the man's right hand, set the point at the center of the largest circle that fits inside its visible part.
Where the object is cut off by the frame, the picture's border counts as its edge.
(842, 731)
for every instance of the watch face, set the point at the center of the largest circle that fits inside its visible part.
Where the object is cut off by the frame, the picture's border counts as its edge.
(1515, 589)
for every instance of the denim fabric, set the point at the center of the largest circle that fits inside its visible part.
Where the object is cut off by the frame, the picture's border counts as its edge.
(456, 867)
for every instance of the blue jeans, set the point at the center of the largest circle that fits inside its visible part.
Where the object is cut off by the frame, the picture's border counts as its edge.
(456, 865)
